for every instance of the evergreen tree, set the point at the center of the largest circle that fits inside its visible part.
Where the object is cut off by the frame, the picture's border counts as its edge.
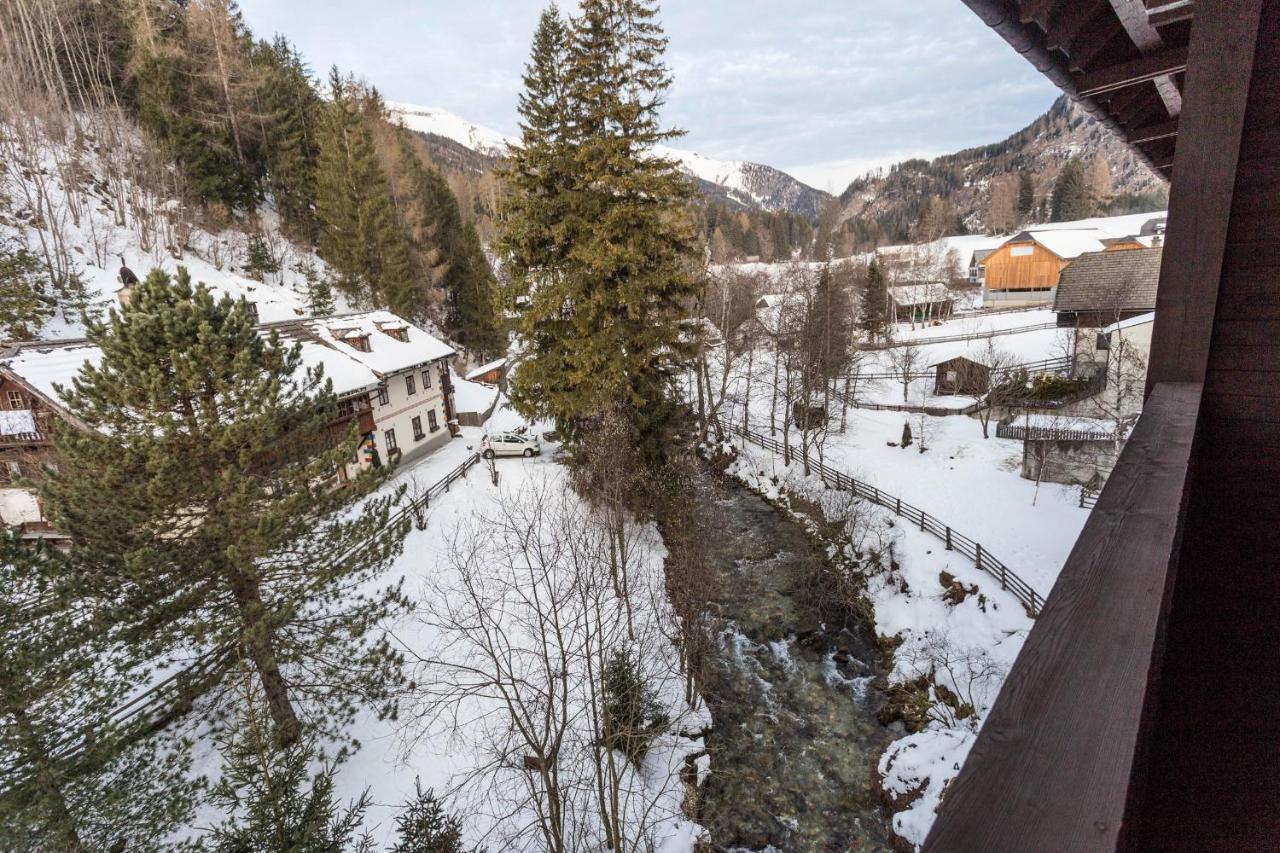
(275, 805)
(1026, 195)
(360, 234)
(259, 262)
(632, 714)
(906, 434)
(874, 316)
(22, 310)
(1071, 197)
(74, 776)
(601, 244)
(423, 826)
(215, 447)
(292, 112)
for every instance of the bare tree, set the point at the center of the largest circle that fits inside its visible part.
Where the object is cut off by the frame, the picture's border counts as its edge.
(963, 681)
(905, 363)
(988, 377)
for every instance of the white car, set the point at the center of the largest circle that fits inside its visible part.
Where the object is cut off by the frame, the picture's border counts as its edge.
(510, 444)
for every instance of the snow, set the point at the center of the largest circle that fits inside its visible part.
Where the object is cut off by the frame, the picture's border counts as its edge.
(920, 294)
(1140, 320)
(485, 368)
(17, 422)
(348, 376)
(1070, 243)
(386, 355)
(44, 368)
(19, 506)
(471, 396)
(1103, 429)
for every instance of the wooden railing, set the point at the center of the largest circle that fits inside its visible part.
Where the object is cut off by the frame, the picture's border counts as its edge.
(947, 339)
(1035, 433)
(168, 699)
(1057, 756)
(953, 540)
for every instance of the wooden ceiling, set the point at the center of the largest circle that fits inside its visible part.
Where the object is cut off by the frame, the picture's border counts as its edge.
(1123, 61)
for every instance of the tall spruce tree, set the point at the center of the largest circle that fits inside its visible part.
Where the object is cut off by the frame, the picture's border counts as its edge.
(873, 318)
(600, 237)
(1071, 197)
(74, 775)
(360, 234)
(1026, 195)
(292, 112)
(215, 447)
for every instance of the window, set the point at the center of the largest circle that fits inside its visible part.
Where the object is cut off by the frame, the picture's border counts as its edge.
(426, 377)
(15, 400)
(431, 420)
(383, 397)
(417, 429)
(1021, 251)
(390, 436)
(409, 385)
(358, 342)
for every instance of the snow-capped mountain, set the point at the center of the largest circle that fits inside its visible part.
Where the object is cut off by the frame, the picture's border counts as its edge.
(739, 182)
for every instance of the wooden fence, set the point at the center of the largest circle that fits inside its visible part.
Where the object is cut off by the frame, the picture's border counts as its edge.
(953, 540)
(1035, 433)
(948, 339)
(168, 699)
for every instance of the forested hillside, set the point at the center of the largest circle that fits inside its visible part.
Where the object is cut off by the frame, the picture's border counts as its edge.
(996, 188)
(172, 119)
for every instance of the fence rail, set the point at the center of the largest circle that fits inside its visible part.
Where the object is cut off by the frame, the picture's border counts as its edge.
(948, 339)
(1034, 433)
(162, 702)
(954, 540)
(1088, 498)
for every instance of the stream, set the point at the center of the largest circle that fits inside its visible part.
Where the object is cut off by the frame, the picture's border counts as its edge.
(795, 736)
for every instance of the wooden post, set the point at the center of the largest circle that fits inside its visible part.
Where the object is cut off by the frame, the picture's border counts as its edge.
(898, 510)
(948, 538)
(1002, 578)
(979, 554)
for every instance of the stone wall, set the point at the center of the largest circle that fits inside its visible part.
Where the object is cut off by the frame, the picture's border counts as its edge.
(1074, 463)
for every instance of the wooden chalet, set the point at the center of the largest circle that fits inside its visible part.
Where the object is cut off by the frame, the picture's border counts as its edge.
(920, 302)
(1101, 288)
(1139, 714)
(1025, 269)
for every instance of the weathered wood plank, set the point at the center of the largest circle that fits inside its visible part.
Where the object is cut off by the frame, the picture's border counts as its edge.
(1142, 70)
(1051, 768)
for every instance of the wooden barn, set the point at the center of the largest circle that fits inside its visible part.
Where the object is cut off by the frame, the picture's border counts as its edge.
(1026, 268)
(1137, 715)
(961, 375)
(1101, 288)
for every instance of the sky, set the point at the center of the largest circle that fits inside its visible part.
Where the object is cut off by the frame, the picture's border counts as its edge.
(823, 89)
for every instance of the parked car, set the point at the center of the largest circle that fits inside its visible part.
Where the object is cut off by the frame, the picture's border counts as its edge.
(510, 444)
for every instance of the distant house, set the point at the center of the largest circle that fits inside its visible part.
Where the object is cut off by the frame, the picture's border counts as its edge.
(978, 265)
(1026, 268)
(961, 375)
(1100, 288)
(920, 302)
(492, 373)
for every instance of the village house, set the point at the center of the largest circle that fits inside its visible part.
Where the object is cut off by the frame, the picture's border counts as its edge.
(961, 375)
(389, 377)
(1026, 268)
(1101, 288)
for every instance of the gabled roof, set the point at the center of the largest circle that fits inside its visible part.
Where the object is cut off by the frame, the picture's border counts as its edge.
(1066, 243)
(1110, 281)
(387, 355)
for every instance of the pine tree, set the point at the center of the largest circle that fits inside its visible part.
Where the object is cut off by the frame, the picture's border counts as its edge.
(873, 318)
(360, 234)
(275, 805)
(74, 776)
(215, 447)
(22, 309)
(259, 262)
(292, 112)
(600, 240)
(1071, 200)
(423, 826)
(906, 434)
(1026, 195)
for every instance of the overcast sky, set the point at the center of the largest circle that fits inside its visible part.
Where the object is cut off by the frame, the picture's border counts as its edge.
(824, 89)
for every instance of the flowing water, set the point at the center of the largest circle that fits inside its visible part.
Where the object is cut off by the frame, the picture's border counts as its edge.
(795, 735)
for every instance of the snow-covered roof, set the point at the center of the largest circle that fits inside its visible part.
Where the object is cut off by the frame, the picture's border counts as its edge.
(347, 375)
(386, 355)
(1065, 243)
(1140, 320)
(42, 368)
(17, 421)
(921, 293)
(486, 368)
(18, 506)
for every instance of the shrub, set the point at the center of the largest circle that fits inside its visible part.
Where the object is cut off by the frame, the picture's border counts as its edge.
(633, 716)
(423, 826)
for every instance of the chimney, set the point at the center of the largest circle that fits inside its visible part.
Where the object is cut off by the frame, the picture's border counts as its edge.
(1157, 241)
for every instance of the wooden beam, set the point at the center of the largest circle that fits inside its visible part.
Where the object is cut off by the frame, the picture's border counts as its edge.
(1216, 93)
(1171, 13)
(1141, 70)
(1052, 765)
(1152, 132)
(1068, 21)
(1133, 17)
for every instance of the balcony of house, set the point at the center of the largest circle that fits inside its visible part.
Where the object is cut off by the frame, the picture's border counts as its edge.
(359, 409)
(21, 428)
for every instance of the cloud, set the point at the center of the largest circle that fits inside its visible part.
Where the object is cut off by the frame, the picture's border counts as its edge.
(830, 87)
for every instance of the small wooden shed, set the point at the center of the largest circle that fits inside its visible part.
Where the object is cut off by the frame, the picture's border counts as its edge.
(961, 375)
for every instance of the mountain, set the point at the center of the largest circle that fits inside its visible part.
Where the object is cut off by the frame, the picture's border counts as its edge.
(737, 183)
(974, 190)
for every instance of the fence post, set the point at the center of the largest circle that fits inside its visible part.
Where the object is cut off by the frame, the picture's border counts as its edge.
(898, 508)
(1002, 578)
(922, 516)
(948, 538)
(979, 554)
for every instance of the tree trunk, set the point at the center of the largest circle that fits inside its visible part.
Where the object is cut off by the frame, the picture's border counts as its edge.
(257, 640)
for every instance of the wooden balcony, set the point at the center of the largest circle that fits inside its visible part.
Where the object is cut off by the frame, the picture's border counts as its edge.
(1059, 755)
